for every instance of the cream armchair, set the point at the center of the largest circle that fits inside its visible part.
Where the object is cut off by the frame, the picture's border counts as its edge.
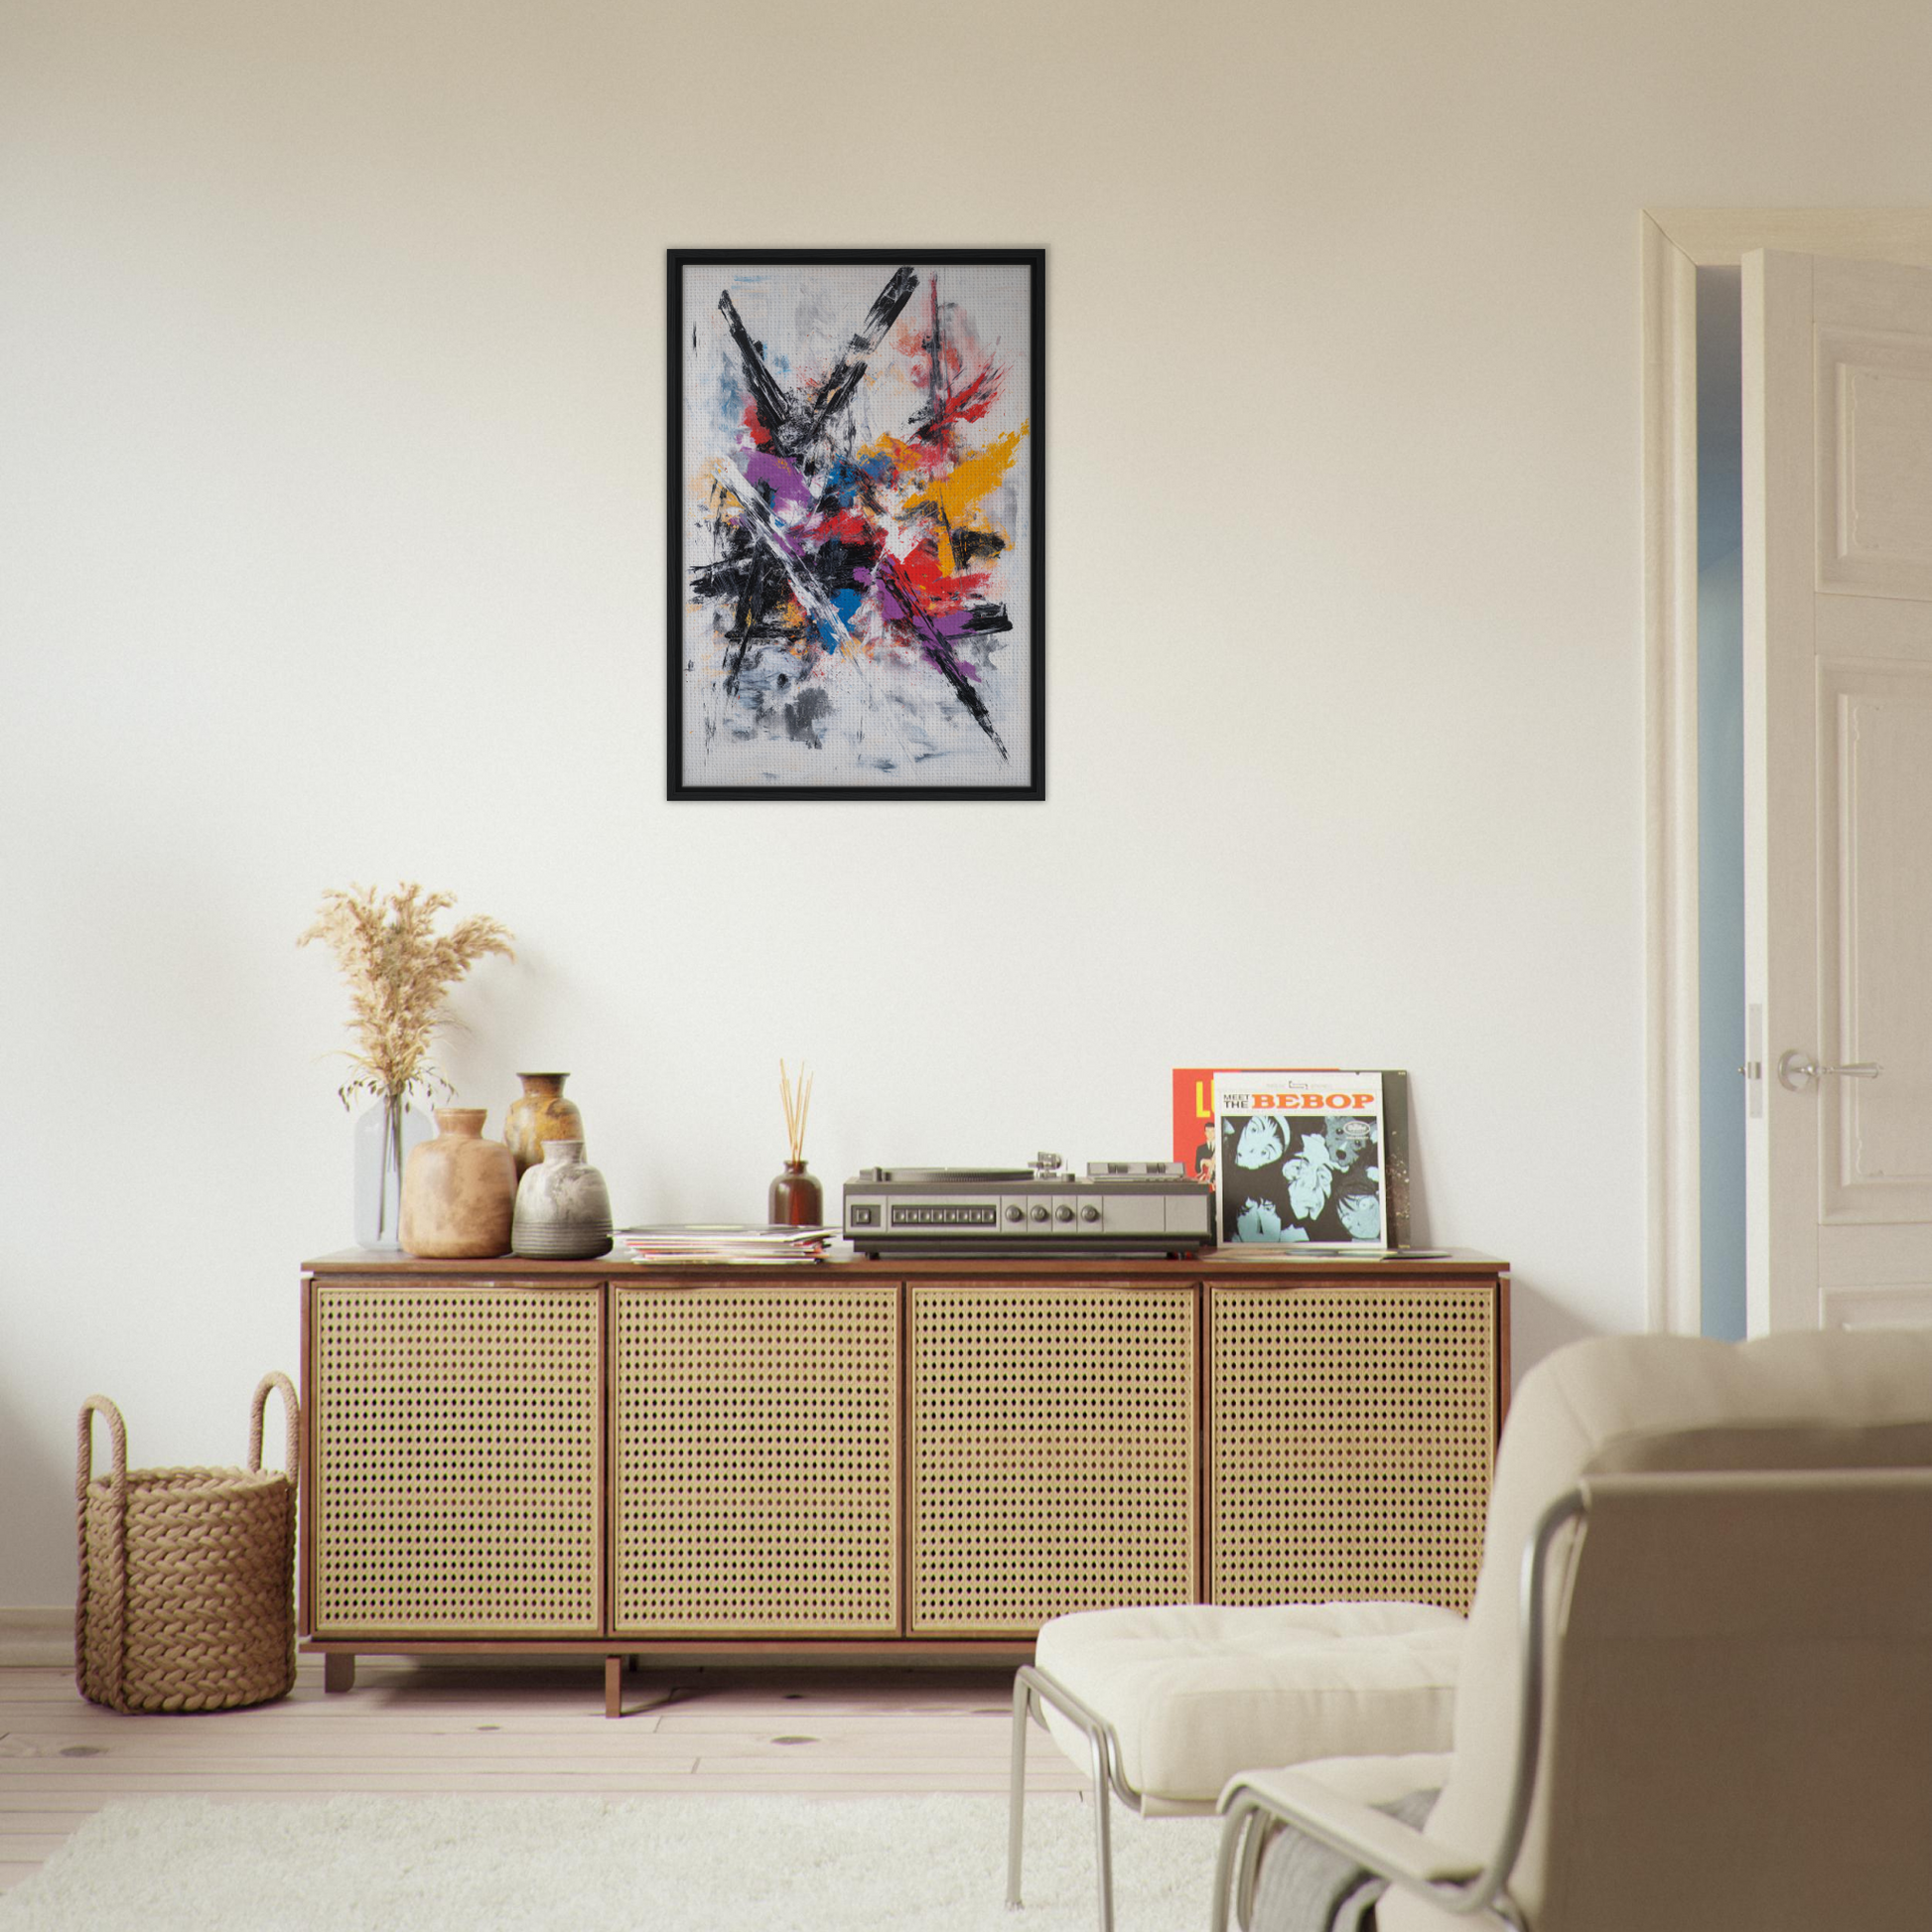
(1696, 1684)
(1163, 1705)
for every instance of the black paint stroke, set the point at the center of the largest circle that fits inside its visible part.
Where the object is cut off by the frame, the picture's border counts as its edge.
(937, 648)
(794, 427)
(935, 350)
(774, 404)
(970, 545)
(983, 619)
(750, 578)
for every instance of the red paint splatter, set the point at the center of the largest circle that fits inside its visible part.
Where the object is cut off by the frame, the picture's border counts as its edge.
(969, 404)
(939, 591)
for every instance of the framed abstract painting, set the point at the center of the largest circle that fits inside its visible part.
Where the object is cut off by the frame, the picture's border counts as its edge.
(857, 550)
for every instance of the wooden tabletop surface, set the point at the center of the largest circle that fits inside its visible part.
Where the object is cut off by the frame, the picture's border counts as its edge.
(1223, 1264)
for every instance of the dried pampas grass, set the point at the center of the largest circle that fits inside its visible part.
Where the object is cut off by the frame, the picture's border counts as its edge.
(398, 969)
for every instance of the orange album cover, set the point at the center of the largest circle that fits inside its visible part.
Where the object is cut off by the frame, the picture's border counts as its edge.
(1193, 1112)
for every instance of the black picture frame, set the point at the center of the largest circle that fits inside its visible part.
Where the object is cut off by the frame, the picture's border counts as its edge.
(692, 667)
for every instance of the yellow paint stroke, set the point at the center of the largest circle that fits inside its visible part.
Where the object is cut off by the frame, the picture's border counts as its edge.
(954, 494)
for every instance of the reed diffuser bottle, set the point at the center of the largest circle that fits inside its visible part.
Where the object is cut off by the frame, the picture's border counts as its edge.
(795, 1199)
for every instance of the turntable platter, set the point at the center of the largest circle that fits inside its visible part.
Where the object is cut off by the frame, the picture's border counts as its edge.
(936, 1175)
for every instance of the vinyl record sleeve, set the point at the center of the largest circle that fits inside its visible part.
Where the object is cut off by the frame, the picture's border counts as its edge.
(1198, 1147)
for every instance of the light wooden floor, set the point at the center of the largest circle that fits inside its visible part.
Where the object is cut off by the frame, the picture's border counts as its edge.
(510, 1729)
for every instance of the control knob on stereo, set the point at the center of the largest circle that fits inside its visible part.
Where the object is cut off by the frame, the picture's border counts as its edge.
(1063, 1213)
(1040, 1213)
(1015, 1212)
(1089, 1213)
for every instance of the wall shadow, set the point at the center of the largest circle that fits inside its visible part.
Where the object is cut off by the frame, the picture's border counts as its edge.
(1538, 1325)
(35, 1511)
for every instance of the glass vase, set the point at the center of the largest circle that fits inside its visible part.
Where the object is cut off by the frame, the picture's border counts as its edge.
(384, 1135)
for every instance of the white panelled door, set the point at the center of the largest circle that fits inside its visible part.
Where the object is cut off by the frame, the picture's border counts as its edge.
(1837, 778)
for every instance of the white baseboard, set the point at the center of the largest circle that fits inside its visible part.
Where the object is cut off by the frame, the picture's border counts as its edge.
(41, 1635)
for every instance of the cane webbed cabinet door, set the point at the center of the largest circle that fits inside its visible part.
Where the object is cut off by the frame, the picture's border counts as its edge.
(1052, 1439)
(755, 1431)
(457, 1459)
(1351, 1435)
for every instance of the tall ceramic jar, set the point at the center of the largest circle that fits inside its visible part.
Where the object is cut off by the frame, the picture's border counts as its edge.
(539, 1113)
(458, 1191)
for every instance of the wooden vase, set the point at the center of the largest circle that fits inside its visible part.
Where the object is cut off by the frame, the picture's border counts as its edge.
(458, 1191)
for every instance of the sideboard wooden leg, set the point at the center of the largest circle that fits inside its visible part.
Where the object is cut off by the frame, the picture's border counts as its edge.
(614, 1686)
(339, 1670)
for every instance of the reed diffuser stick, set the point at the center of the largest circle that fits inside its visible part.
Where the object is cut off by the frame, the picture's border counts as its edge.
(797, 1105)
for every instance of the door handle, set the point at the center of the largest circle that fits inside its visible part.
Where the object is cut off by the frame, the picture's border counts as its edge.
(1797, 1071)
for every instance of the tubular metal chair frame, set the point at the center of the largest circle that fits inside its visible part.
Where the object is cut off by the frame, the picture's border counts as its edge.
(1032, 1689)
(1480, 1894)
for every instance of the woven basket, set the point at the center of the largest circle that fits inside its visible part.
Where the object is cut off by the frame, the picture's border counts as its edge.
(187, 1599)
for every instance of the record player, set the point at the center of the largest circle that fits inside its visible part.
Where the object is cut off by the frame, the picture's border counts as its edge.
(1126, 1207)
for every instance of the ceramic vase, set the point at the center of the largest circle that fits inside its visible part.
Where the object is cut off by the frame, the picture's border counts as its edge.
(539, 1113)
(458, 1191)
(563, 1208)
(385, 1136)
(795, 1199)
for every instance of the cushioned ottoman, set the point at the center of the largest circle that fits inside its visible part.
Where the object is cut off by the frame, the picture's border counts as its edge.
(1197, 1692)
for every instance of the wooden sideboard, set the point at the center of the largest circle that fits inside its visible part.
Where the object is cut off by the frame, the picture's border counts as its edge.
(878, 1459)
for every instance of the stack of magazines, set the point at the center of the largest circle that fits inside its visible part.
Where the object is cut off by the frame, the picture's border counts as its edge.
(699, 1241)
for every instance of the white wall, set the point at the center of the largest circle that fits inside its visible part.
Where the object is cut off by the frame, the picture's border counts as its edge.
(332, 448)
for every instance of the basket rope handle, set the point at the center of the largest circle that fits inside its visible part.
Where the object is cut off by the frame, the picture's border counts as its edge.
(292, 1412)
(118, 1434)
(112, 1587)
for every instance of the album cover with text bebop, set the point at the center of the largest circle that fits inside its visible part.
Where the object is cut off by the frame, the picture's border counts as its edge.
(1309, 1157)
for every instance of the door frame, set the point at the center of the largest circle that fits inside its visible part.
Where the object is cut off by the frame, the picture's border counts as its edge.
(1675, 243)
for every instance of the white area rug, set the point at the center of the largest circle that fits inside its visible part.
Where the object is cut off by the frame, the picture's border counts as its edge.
(762, 1863)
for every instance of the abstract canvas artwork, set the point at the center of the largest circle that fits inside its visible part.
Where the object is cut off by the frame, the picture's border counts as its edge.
(856, 544)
